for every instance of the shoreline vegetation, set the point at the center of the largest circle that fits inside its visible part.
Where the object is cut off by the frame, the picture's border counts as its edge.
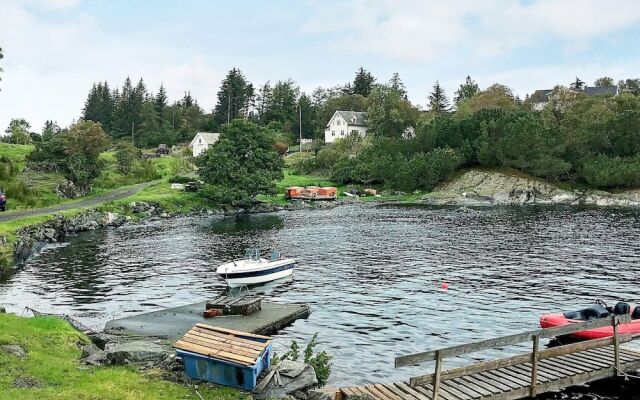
(42, 360)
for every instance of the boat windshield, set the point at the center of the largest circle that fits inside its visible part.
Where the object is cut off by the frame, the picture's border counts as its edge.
(252, 254)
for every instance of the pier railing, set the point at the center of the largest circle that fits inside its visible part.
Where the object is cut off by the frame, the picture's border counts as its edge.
(533, 358)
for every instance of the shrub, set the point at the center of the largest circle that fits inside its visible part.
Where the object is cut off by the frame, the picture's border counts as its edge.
(608, 172)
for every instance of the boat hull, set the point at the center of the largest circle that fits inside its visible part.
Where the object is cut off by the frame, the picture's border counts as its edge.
(559, 319)
(256, 277)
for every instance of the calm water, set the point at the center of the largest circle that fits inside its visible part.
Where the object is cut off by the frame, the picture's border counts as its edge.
(371, 273)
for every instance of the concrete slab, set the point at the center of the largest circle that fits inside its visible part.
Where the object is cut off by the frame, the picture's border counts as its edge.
(173, 323)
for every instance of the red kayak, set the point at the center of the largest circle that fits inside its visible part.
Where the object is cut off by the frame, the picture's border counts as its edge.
(597, 311)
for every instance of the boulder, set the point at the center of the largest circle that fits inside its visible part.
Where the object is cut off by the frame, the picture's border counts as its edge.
(14, 350)
(135, 352)
(97, 358)
(319, 395)
(294, 376)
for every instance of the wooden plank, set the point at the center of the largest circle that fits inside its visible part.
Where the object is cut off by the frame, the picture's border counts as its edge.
(469, 391)
(493, 382)
(584, 359)
(348, 392)
(228, 349)
(412, 359)
(484, 383)
(391, 387)
(616, 345)
(403, 386)
(474, 384)
(219, 342)
(526, 369)
(406, 395)
(235, 340)
(501, 376)
(571, 365)
(427, 390)
(566, 371)
(371, 392)
(389, 394)
(231, 331)
(238, 359)
(534, 366)
(451, 391)
(381, 394)
(436, 376)
(518, 374)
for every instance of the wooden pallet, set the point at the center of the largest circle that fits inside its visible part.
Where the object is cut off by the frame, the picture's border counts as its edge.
(225, 344)
(242, 305)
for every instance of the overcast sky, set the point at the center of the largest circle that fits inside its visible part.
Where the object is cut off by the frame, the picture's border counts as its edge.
(55, 49)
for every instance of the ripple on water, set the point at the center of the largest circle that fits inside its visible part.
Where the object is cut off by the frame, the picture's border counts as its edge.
(372, 274)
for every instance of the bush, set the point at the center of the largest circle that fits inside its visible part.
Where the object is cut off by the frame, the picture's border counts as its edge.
(320, 362)
(180, 179)
(609, 172)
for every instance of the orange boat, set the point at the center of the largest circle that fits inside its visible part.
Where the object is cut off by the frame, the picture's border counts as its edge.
(311, 193)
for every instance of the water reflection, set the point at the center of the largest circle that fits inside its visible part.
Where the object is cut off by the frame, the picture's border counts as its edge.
(372, 274)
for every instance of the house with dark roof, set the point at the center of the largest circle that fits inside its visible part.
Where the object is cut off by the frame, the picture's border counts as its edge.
(345, 123)
(540, 98)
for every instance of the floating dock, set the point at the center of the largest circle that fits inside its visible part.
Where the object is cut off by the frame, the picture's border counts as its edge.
(173, 323)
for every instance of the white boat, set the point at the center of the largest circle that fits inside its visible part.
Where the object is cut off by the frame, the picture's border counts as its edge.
(253, 269)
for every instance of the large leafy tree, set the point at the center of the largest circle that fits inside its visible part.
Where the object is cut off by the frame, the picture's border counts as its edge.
(18, 130)
(389, 115)
(466, 90)
(630, 86)
(438, 102)
(604, 81)
(494, 97)
(234, 98)
(363, 82)
(242, 164)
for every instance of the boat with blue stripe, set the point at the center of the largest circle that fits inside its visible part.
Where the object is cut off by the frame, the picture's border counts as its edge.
(254, 270)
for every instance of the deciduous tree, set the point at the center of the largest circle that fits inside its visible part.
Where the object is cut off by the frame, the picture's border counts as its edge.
(242, 164)
(604, 81)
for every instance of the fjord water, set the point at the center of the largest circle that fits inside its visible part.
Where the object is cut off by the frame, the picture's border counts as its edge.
(372, 274)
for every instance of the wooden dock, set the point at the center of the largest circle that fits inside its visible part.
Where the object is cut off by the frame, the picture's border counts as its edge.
(517, 377)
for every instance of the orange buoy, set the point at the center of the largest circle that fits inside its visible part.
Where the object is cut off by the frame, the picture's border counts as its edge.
(444, 286)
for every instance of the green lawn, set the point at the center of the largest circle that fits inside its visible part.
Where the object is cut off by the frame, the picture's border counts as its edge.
(15, 152)
(52, 362)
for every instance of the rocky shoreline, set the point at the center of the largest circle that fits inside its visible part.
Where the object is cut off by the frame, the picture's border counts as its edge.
(33, 238)
(487, 188)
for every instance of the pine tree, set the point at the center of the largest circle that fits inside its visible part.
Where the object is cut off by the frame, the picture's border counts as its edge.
(363, 82)
(234, 97)
(577, 84)
(160, 100)
(49, 129)
(466, 91)
(396, 84)
(123, 117)
(149, 131)
(263, 102)
(438, 101)
(91, 110)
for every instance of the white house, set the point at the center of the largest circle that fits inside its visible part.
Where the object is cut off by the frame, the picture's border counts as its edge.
(540, 98)
(345, 123)
(202, 141)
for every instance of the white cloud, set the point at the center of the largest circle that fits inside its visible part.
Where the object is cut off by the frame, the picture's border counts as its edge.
(425, 29)
(49, 65)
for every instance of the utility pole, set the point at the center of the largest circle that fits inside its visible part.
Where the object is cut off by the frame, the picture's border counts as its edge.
(300, 124)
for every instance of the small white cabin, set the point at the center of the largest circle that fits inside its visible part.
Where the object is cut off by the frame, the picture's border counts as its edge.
(202, 141)
(345, 123)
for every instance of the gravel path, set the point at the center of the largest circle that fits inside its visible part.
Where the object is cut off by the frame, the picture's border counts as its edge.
(116, 194)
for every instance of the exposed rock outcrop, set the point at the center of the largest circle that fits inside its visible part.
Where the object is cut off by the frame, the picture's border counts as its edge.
(483, 188)
(135, 352)
(293, 377)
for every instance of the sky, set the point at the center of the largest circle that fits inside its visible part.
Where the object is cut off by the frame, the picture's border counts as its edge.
(55, 49)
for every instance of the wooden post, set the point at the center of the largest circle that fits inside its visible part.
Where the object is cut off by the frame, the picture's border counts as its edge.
(436, 375)
(534, 366)
(616, 345)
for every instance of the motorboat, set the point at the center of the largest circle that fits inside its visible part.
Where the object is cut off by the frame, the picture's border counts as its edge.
(596, 311)
(254, 270)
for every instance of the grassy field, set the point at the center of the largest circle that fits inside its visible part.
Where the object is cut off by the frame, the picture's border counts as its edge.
(32, 189)
(52, 366)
